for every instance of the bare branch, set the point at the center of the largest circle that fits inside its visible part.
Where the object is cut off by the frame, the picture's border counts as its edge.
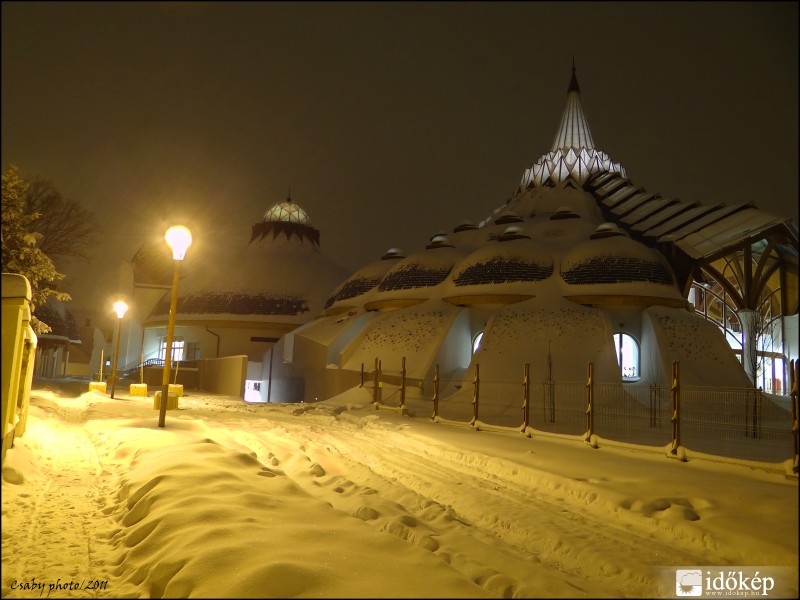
(66, 228)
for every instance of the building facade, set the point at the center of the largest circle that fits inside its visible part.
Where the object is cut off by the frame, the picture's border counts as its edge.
(579, 266)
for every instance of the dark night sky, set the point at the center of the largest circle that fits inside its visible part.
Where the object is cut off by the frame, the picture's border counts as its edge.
(389, 121)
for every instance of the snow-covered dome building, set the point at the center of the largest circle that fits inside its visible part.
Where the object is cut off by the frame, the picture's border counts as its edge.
(236, 296)
(579, 265)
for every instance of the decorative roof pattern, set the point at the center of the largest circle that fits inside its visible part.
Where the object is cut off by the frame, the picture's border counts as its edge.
(355, 286)
(287, 228)
(235, 304)
(287, 218)
(413, 276)
(500, 269)
(287, 211)
(574, 129)
(618, 269)
(573, 157)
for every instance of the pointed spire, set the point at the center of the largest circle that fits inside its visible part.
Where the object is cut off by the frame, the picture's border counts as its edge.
(289, 197)
(573, 83)
(574, 130)
(573, 158)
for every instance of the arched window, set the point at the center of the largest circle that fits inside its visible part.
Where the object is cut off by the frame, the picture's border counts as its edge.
(627, 350)
(476, 341)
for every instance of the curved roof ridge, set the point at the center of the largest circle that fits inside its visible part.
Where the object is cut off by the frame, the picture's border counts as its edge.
(574, 129)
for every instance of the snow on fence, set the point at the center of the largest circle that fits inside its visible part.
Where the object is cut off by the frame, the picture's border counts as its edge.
(740, 425)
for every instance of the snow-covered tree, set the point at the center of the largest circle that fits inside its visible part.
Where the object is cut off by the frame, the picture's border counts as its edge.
(20, 251)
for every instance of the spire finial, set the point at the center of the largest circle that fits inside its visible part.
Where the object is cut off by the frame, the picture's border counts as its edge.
(573, 83)
(289, 197)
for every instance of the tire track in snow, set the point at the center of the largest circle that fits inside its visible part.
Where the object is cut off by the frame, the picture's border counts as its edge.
(558, 533)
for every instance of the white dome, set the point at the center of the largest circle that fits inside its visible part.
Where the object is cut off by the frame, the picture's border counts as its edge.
(287, 212)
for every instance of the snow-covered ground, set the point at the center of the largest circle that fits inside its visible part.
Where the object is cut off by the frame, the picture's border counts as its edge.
(336, 499)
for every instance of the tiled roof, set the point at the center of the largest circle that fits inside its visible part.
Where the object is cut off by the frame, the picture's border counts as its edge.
(235, 304)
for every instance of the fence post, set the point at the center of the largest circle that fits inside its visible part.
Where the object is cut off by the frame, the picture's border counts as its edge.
(654, 402)
(757, 402)
(403, 387)
(526, 398)
(475, 394)
(375, 377)
(435, 392)
(676, 407)
(362, 376)
(590, 403)
(794, 376)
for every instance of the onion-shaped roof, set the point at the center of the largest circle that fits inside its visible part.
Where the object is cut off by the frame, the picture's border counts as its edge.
(287, 212)
(421, 270)
(516, 260)
(616, 259)
(606, 230)
(364, 279)
(287, 218)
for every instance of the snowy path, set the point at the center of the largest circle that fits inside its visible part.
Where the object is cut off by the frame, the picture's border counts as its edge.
(339, 500)
(426, 499)
(60, 548)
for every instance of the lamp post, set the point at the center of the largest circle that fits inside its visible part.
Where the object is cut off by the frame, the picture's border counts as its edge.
(120, 308)
(179, 238)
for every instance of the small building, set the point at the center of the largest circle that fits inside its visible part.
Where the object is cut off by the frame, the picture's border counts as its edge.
(60, 352)
(253, 291)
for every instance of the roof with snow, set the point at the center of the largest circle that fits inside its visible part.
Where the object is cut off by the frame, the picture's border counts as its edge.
(576, 220)
(286, 218)
(279, 275)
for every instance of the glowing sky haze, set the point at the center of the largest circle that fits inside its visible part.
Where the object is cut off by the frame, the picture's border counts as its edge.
(387, 121)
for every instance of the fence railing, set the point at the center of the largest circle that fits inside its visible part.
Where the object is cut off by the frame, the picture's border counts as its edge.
(739, 424)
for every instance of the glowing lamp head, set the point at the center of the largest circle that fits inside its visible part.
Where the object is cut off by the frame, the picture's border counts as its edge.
(179, 239)
(120, 308)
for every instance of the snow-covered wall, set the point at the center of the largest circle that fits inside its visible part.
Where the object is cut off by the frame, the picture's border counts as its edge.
(704, 355)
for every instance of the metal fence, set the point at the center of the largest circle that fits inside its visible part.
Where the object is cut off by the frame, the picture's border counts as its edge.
(741, 425)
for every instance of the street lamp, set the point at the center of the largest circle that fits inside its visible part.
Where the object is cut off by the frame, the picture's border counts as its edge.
(179, 238)
(119, 307)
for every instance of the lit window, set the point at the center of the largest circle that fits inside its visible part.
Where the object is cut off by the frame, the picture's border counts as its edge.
(627, 350)
(476, 342)
(177, 349)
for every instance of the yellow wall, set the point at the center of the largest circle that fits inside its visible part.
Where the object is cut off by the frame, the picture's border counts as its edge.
(18, 353)
(223, 375)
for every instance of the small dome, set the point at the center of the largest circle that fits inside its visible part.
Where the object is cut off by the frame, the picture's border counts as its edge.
(393, 253)
(439, 240)
(605, 230)
(287, 212)
(358, 284)
(518, 261)
(465, 226)
(513, 232)
(508, 217)
(564, 212)
(616, 260)
(421, 270)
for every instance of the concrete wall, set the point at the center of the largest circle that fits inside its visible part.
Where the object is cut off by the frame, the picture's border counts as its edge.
(187, 377)
(303, 375)
(213, 342)
(223, 375)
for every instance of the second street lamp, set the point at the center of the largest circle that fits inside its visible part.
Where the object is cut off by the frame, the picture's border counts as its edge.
(120, 308)
(179, 239)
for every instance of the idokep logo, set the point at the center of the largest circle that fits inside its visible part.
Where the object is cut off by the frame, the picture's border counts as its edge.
(744, 582)
(689, 582)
